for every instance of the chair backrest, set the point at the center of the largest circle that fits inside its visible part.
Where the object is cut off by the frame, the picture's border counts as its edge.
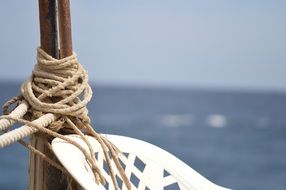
(147, 166)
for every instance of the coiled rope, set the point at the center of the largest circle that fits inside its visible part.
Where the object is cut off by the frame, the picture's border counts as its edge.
(60, 87)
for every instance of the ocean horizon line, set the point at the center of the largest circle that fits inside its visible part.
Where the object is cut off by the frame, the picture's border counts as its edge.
(171, 87)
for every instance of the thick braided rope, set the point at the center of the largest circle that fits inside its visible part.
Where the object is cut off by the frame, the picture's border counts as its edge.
(61, 87)
(18, 112)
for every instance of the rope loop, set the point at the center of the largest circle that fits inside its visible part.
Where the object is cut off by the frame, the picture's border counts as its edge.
(13, 101)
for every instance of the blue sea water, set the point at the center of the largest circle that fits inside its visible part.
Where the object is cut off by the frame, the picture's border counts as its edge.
(235, 139)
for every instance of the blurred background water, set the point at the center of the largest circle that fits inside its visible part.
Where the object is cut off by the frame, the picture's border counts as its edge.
(235, 139)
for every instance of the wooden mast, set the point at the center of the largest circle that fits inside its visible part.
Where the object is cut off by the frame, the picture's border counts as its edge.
(41, 175)
(65, 28)
(48, 27)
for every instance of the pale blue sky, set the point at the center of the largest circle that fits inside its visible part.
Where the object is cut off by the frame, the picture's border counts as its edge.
(206, 43)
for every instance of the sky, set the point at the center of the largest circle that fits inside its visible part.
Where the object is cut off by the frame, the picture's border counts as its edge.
(230, 44)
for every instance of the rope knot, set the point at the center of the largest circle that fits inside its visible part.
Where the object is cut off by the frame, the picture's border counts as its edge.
(58, 125)
(58, 86)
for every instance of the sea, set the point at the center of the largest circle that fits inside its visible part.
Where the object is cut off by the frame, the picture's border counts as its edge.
(236, 139)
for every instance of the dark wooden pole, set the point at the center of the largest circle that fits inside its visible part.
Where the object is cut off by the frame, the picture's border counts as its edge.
(41, 175)
(65, 28)
(48, 27)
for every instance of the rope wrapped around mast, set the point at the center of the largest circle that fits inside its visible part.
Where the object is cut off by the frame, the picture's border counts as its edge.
(56, 87)
(60, 87)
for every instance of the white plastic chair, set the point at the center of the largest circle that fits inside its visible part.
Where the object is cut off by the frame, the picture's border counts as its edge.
(147, 166)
